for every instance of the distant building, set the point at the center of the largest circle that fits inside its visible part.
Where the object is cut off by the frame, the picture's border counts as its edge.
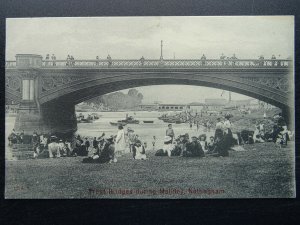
(196, 107)
(148, 107)
(171, 107)
(239, 103)
(215, 101)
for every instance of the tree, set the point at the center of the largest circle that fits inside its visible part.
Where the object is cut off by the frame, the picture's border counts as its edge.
(133, 92)
(140, 96)
(119, 100)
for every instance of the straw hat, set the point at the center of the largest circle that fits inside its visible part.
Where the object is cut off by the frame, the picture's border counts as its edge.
(167, 139)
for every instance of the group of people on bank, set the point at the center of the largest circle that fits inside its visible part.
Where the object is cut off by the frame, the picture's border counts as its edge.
(16, 137)
(217, 145)
(111, 148)
(102, 149)
(108, 149)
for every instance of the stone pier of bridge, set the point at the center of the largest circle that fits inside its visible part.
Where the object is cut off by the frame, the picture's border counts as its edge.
(54, 117)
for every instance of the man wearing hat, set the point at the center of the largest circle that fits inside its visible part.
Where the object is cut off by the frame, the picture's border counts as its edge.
(194, 149)
(132, 138)
(139, 149)
(62, 147)
(53, 147)
(211, 144)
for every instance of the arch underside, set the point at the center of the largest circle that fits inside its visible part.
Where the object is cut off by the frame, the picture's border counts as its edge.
(13, 96)
(94, 86)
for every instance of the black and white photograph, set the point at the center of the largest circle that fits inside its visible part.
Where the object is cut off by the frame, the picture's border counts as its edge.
(156, 107)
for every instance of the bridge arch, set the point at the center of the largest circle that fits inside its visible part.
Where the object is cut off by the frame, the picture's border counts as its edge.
(94, 86)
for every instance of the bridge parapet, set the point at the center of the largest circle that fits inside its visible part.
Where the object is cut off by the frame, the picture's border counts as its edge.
(28, 61)
(132, 63)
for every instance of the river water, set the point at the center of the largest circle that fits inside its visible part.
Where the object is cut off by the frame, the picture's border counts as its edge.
(145, 131)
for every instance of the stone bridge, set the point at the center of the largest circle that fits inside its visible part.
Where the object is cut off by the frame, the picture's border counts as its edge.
(49, 90)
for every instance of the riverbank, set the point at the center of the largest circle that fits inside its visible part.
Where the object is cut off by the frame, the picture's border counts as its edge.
(262, 171)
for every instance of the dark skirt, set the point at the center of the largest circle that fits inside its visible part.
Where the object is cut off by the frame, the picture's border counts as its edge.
(228, 139)
(219, 134)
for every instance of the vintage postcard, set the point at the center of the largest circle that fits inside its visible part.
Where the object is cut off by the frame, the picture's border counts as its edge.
(150, 107)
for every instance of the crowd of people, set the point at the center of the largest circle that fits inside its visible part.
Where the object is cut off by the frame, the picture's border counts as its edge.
(70, 61)
(109, 149)
(102, 149)
(223, 139)
(225, 60)
(16, 138)
(217, 145)
(53, 60)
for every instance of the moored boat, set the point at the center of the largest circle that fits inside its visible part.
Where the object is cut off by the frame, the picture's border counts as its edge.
(148, 121)
(129, 120)
(118, 123)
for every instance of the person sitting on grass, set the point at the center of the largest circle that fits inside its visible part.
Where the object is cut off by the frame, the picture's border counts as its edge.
(203, 142)
(211, 145)
(53, 148)
(62, 148)
(140, 151)
(105, 154)
(282, 137)
(257, 138)
(167, 148)
(179, 146)
(80, 149)
(193, 149)
(68, 147)
(221, 148)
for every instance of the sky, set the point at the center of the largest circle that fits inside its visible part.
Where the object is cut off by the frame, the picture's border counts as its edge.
(133, 37)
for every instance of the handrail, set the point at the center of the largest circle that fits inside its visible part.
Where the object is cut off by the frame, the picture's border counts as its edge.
(167, 63)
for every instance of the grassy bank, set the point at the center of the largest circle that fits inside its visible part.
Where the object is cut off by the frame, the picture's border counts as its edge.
(261, 171)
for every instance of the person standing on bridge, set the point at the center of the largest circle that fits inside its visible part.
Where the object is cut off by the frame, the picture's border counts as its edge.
(97, 60)
(72, 61)
(203, 59)
(68, 61)
(273, 60)
(142, 60)
(109, 60)
(261, 60)
(234, 58)
(47, 60)
(223, 57)
(53, 57)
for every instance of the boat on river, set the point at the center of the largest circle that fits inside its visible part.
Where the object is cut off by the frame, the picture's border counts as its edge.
(85, 120)
(148, 121)
(118, 123)
(129, 120)
(95, 116)
(81, 119)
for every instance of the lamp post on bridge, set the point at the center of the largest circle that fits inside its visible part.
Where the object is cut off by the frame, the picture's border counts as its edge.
(161, 54)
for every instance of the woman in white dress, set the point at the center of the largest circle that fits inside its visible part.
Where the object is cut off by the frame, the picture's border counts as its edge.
(120, 143)
(168, 146)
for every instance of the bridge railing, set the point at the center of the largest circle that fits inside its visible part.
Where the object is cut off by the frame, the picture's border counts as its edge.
(167, 63)
(9, 64)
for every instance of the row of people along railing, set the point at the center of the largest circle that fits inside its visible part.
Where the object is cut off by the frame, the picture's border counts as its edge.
(168, 63)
